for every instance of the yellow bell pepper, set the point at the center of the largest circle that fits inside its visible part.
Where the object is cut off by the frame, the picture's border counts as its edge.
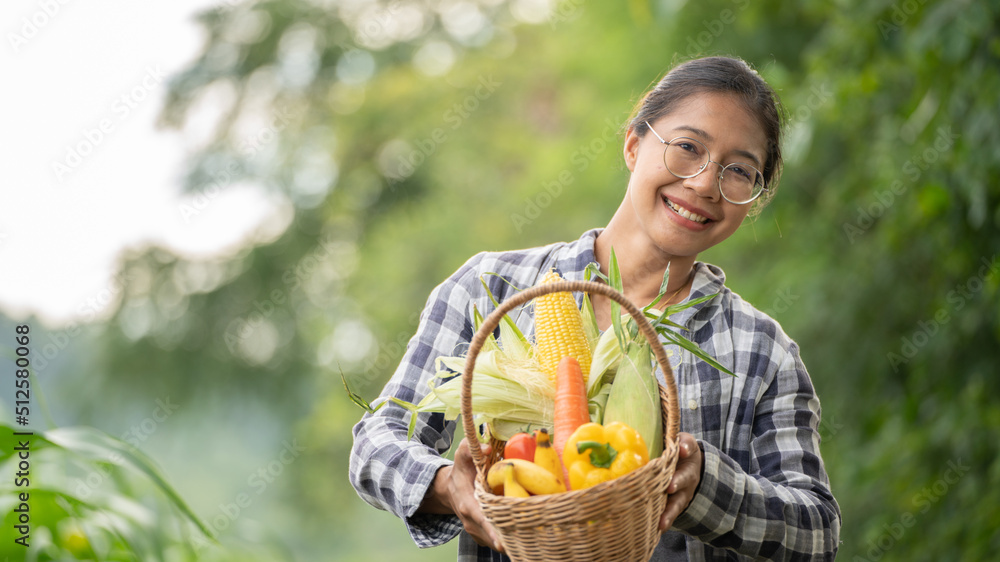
(597, 453)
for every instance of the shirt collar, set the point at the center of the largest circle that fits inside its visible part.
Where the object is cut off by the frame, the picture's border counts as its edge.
(708, 279)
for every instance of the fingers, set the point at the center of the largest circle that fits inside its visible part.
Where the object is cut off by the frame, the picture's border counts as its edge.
(688, 445)
(465, 505)
(475, 523)
(685, 481)
(671, 512)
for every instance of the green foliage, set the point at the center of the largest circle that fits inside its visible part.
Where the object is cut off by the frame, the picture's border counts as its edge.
(878, 255)
(81, 495)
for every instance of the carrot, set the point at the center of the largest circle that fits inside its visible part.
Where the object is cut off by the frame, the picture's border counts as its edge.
(571, 410)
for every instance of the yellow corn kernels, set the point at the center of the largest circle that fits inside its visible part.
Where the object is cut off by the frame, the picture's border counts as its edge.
(559, 331)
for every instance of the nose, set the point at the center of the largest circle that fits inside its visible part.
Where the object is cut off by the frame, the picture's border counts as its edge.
(706, 183)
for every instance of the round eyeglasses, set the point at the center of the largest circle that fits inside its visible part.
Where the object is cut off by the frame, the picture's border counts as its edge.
(684, 157)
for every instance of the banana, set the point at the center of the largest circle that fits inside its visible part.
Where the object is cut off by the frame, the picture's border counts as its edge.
(535, 479)
(511, 487)
(546, 456)
(495, 478)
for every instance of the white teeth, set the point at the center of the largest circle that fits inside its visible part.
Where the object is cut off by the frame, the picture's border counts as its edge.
(685, 213)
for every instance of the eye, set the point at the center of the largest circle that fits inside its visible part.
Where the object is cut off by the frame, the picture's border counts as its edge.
(688, 146)
(743, 172)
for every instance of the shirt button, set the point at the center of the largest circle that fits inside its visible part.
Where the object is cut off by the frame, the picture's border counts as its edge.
(692, 404)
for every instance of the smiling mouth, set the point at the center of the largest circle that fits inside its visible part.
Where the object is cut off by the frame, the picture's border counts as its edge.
(693, 217)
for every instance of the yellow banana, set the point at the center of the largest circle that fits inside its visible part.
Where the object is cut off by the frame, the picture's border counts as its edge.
(546, 456)
(511, 487)
(534, 478)
(495, 478)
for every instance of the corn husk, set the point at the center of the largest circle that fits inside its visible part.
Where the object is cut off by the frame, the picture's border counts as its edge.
(635, 397)
(508, 395)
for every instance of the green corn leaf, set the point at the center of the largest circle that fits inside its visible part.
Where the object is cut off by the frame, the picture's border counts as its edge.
(514, 341)
(371, 408)
(590, 328)
(357, 399)
(675, 308)
(693, 348)
(593, 331)
(615, 280)
(593, 271)
(95, 445)
(490, 344)
(663, 319)
(663, 289)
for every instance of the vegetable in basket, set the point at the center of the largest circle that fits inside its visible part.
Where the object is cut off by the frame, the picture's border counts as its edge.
(535, 479)
(547, 457)
(520, 446)
(571, 404)
(635, 397)
(597, 453)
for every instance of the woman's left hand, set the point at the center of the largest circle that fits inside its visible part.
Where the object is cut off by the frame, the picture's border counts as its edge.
(682, 486)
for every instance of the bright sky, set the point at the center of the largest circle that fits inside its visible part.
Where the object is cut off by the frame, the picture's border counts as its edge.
(85, 172)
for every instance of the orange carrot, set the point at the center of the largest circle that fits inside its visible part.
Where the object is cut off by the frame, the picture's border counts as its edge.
(571, 410)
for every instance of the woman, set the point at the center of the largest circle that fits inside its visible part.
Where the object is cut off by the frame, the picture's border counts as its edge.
(702, 148)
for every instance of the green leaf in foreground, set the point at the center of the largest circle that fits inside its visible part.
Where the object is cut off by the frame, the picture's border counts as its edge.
(95, 445)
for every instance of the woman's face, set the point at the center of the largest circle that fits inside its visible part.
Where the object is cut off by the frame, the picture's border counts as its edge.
(683, 217)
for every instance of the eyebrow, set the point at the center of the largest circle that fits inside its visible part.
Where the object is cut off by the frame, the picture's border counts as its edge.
(744, 153)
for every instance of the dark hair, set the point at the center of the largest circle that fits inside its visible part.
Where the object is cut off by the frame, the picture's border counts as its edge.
(722, 75)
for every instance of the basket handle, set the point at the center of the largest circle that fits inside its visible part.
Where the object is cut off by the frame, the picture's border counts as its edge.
(493, 321)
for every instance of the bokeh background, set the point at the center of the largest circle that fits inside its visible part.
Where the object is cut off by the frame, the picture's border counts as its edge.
(386, 142)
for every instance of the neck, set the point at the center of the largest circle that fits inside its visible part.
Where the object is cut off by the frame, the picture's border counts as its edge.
(642, 265)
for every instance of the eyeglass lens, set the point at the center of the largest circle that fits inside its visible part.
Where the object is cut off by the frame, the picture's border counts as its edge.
(687, 157)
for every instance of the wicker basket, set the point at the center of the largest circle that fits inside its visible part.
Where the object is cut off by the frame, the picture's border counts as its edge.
(613, 521)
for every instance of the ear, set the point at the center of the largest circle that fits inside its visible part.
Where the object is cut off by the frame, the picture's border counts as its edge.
(631, 149)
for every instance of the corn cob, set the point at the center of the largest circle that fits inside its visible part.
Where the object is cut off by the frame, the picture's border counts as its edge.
(559, 331)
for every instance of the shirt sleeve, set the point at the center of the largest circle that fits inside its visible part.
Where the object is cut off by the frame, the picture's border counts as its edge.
(782, 509)
(388, 470)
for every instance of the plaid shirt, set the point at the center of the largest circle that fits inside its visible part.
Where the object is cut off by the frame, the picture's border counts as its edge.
(764, 492)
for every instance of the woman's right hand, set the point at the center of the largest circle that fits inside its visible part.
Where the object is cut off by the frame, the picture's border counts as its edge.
(453, 491)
